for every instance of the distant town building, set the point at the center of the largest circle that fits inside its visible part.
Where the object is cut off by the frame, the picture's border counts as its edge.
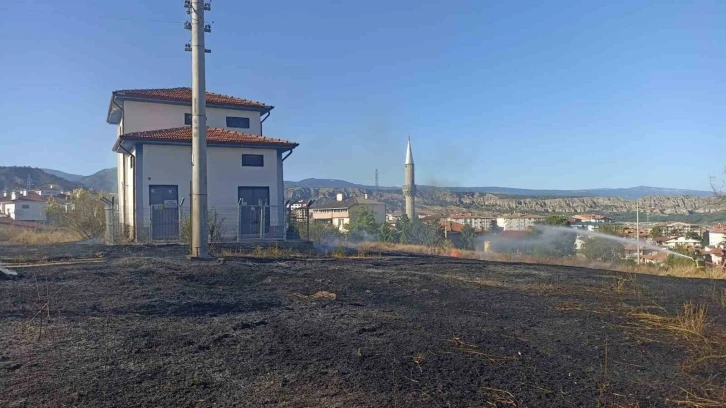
(717, 234)
(25, 205)
(682, 241)
(589, 218)
(483, 222)
(681, 228)
(338, 212)
(517, 222)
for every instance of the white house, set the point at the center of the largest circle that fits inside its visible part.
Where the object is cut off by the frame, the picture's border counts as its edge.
(517, 222)
(485, 223)
(717, 234)
(682, 241)
(244, 168)
(23, 206)
(338, 212)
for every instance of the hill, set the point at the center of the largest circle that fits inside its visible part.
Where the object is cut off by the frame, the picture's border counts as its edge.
(64, 175)
(104, 180)
(630, 193)
(12, 177)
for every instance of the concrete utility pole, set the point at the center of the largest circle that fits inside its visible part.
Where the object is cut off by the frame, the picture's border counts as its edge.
(199, 248)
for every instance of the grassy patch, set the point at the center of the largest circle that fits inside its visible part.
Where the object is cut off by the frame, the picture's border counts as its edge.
(15, 235)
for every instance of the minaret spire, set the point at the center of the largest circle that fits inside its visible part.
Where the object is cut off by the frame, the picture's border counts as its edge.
(409, 186)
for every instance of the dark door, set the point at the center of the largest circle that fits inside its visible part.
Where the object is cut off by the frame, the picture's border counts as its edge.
(254, 207)
(163, 200)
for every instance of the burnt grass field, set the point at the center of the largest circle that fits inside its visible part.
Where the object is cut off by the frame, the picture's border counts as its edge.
(144, 327)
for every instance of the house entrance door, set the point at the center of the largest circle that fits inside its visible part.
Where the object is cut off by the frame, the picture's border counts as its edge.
(164, 204)
(254, 210)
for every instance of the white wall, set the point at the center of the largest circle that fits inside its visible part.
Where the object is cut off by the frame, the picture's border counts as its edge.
(715, 238)
(142, 116)
(171, 165)
(34, 212)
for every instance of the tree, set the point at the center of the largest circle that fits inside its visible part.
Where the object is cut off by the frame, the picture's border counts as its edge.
(362, 225)
(427, 233)
(86, 215)
(603, 249)
(467, 237)
(557, 242)
(556, 220)
(404, 228)
(693, 235)
(385, 234)
(656, 231)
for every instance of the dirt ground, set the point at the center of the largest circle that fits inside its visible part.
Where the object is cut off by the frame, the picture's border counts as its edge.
(129, 330)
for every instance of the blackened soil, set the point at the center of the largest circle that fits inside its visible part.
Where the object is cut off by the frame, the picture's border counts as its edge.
(401, 332)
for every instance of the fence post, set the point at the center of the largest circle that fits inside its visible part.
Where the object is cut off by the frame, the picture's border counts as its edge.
(239, 218)
(108, 207)
(151, 224)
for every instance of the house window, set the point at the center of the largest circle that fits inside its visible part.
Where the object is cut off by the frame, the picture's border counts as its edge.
(237, 122)
(25, 206)
(188, 119)
(253, 160)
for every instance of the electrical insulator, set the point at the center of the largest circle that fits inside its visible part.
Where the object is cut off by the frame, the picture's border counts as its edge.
(207, 28)
(207, 6)
(187, 47)
(187, 25)
(187, 3)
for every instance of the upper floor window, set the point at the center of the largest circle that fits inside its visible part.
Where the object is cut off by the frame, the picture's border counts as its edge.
(188, 119)
(25, 206)
(253, 160)
(237, 122)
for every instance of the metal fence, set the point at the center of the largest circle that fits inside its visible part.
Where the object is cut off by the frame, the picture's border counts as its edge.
(160, 223)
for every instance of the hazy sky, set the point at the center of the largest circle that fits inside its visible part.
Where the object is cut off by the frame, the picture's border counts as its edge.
(519, 94)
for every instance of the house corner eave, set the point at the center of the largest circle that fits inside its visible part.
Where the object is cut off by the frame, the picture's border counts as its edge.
(114, 111)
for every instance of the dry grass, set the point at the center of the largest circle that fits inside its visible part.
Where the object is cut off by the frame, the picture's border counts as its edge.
(693, 318)
(24, 236)
(273, 251)
(678, 271)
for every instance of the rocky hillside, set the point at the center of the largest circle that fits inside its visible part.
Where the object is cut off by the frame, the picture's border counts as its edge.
(437, 198)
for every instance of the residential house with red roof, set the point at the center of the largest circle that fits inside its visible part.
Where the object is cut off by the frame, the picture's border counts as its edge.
(24, 205)
(717, 234)
(244, 168)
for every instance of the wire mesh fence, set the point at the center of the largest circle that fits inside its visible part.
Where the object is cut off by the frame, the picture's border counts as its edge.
(160, 223)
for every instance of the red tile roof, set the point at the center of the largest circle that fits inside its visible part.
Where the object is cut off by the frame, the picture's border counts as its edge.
(513, 234)
(214, 136)
(185, 95)
(451, 226)
(719, 229)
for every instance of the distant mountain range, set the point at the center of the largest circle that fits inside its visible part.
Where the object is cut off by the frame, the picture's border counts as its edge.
(105, 180)
(628, 193)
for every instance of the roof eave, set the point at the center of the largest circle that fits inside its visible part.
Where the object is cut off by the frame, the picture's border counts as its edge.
(114, 111)
(262, 109)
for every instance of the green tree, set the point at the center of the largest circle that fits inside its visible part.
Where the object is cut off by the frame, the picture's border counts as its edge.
(428, 233)
(656, 231)
(611, 229)
(404, 228)
(556, 220)
(603, 249)
(385, 234)
(323, 233)
(693, 235)
(467, 237)
(85, 216)
(557, 242)
(362, 225)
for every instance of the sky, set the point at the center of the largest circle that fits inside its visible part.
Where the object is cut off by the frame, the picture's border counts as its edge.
(545, 95)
